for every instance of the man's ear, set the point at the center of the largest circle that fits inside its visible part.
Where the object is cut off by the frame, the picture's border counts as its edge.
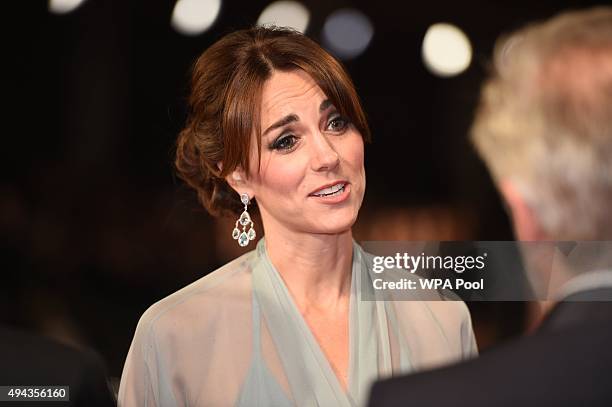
(527, 227)
(239, 183)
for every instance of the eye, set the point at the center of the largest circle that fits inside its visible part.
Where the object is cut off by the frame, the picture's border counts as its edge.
(284, 143)
(337, 123)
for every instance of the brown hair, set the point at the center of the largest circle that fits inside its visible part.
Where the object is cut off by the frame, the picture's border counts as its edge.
(225, 100)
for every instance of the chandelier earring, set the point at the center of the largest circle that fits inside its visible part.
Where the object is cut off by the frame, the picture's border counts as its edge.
(244, 236)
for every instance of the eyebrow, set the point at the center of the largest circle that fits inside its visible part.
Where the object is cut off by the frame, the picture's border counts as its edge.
(294, 118)
(324, 105)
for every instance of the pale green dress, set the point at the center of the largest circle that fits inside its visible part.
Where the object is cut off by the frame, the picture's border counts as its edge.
(236, 338)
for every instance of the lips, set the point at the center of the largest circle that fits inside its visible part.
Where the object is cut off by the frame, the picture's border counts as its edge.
(330, 189)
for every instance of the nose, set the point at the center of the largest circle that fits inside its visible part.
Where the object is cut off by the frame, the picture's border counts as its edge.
(324, 155)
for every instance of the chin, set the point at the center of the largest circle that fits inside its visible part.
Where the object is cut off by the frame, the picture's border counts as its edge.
(334, 224)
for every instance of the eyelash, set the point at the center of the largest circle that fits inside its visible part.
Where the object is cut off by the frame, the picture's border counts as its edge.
(344, 121)
(277, 144)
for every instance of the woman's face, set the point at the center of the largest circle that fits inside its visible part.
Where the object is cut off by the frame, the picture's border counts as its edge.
(311, 177)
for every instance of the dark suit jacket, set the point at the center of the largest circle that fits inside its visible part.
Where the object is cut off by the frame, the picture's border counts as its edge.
(27, 359)
(567, 362)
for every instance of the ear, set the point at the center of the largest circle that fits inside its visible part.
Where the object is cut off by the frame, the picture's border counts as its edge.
(526, 224)
(238, 181)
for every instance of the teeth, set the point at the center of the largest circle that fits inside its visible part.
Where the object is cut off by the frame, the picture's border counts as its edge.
(331, 190)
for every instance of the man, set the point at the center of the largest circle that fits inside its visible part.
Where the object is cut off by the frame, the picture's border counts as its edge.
(544, 129)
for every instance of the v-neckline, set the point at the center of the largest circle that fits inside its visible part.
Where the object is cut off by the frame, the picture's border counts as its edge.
(280, 289)
(320, 347)
(313, 381)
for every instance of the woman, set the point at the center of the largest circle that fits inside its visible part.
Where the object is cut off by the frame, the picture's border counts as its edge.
(275, 120)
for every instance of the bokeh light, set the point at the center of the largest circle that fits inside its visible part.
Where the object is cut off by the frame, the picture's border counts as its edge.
(347, 33)
(64, 6)
(446, 50)
(286, 14)
(193, 17)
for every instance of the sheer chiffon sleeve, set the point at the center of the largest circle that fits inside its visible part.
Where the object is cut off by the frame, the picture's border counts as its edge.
(193, 347)
(141, 382)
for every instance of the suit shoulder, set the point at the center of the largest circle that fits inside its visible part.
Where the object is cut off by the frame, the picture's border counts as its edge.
(27, 347)
(33, 359)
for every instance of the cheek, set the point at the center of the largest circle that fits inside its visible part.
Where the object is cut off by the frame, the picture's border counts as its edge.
(280, 176)
(353, 152)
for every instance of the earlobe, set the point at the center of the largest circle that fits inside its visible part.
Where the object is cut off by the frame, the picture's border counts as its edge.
(238, 182)
(232, 180)
(526, 224)
(235, 175)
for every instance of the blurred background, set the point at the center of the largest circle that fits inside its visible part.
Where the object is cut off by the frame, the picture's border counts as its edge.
(95, 226)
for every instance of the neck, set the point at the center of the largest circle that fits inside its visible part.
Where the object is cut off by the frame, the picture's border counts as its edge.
(315, 267)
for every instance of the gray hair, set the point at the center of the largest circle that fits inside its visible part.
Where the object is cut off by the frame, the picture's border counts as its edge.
(545, 121)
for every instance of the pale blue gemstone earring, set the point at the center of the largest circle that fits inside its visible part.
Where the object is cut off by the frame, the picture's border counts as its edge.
(245, 236)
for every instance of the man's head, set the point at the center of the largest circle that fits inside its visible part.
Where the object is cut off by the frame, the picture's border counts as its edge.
(544, 126)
